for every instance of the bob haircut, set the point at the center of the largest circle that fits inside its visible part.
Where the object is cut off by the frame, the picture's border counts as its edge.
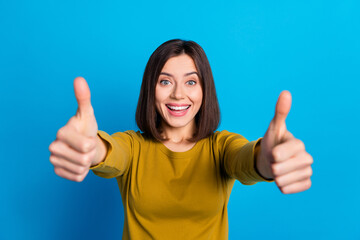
(147, 117)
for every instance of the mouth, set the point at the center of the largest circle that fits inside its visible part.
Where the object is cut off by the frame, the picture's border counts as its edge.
(177, 108)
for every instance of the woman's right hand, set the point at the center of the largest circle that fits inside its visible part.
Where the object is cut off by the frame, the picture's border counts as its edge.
(77, 146)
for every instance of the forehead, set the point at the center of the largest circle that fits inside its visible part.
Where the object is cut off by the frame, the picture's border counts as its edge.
(179, 64)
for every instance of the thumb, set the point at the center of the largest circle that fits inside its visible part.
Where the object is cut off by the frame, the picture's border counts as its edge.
(82, 94)
(282, 109)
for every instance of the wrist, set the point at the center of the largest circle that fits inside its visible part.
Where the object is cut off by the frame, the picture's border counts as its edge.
(101, 151)
(262, 165)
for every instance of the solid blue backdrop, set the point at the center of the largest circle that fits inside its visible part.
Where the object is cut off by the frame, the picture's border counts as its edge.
(255, 48)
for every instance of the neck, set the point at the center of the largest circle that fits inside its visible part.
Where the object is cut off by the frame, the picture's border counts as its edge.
(178, 135)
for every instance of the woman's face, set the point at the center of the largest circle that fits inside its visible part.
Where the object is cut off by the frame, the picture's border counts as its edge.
(178, 93)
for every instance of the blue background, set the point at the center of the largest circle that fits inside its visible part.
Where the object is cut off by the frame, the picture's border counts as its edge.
(256, 49)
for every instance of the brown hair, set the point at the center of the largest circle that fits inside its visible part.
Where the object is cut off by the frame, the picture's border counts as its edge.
(208, 117)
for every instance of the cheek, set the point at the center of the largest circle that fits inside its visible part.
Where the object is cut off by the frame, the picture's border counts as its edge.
(157, 96)
(160, 96)
(197, 96)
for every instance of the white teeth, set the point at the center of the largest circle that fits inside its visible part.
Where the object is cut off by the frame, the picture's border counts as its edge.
(178, 108)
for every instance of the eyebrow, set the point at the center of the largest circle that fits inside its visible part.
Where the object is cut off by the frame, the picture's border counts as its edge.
(186, 74)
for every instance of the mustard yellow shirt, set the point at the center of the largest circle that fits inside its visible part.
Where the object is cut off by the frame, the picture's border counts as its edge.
(177, 195)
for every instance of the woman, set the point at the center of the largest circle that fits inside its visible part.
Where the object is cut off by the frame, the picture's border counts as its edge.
(176, 176)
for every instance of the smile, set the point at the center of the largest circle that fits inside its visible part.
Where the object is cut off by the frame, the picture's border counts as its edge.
(177, 108)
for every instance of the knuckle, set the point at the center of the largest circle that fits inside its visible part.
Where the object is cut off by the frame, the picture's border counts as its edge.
(52, 146)
(275, 153)
(86, 145)
(60, 133)
(79, 178)
(275, 169)
(309, 172)
(311, 159)
(52, 159)
(307, 184)
(304, 174)
(300, 143)
(58, 171)
(278, 181)
(72, 123)
(283, 190)
(71, 120)
(80, 170)
(85, 159)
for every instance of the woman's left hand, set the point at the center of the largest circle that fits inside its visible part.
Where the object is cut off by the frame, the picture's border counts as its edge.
(283, 157)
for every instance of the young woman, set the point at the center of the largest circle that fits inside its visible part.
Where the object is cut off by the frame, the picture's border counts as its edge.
(176, 175)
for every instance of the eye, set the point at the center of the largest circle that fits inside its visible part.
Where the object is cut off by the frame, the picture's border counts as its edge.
(191, 82)
(164, 82)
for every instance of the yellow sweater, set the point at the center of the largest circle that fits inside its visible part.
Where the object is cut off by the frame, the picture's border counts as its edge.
(177, 195)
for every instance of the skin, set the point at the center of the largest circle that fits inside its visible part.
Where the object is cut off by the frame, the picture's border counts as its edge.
(77, 147)
(178, 85)
(282, 156)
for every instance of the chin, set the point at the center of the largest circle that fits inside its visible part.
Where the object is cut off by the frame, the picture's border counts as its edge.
(178, 123)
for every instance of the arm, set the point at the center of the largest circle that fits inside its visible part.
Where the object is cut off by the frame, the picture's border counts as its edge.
(116, 159)
(238, 155)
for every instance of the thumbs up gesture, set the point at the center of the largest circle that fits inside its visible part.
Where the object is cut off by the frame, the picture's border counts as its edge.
(282, 156)
(77, 146)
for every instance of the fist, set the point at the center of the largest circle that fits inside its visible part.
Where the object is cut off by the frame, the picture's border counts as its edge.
(282, 156)
(75, 147)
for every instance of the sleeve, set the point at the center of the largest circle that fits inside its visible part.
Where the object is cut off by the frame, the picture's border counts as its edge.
(238, 155)
(119, 155)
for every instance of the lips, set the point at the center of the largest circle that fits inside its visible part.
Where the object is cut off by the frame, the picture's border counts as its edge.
(177, 107)
(178, 110)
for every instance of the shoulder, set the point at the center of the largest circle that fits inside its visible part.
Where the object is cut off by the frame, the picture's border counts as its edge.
(224, 140)
(225, 135)
(132, 135)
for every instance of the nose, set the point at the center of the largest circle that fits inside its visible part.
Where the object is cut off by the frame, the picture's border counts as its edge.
(178, 92)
